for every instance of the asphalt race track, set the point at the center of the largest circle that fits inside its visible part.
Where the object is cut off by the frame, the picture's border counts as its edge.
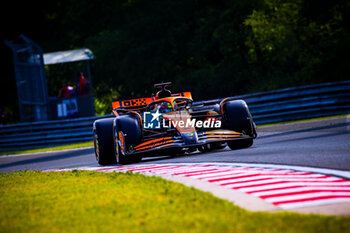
(322, 144)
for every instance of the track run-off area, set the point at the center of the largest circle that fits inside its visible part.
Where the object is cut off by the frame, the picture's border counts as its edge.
(302, 167)
(280, 189)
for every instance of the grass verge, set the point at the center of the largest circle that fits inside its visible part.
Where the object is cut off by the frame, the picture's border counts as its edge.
(305, 120)
(54, 148)
(85, 201)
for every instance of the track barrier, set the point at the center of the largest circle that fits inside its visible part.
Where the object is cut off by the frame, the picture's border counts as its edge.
(289, 104)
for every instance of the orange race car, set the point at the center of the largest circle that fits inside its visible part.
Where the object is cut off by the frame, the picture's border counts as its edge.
(169, 124)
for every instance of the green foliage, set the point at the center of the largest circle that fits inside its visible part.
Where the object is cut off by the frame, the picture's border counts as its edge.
(289, 46)
(212, 48)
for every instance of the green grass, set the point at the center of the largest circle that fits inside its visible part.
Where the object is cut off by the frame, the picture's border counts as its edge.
(304, 120)
(54, 148)
(83, 201)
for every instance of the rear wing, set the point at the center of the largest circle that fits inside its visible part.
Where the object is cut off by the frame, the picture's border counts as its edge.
(132, 103)
(136, 104)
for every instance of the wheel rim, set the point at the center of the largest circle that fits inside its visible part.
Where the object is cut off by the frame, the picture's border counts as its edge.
(205, 148)
(96, 145)
(116, 146)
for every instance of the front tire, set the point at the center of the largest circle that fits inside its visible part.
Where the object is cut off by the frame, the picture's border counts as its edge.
(127, 134)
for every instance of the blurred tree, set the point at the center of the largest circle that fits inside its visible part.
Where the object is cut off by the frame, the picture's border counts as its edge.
(289, 46)
(214, 48)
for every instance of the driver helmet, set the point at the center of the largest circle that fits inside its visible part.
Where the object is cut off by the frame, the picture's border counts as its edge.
(166, 107)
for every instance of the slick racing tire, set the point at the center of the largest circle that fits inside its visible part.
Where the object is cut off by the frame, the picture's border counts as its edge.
(212, 146)
(127, 134)
(240, 144)
(238, 118)
(103, 141)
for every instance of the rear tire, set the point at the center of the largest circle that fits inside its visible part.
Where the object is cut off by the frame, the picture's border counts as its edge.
(238, 118)
(218, 145)
(204, 148)
(212, 146)
(240, 144)
(103, 141)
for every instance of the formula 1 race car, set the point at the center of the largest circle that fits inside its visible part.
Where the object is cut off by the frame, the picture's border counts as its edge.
(169, 124)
